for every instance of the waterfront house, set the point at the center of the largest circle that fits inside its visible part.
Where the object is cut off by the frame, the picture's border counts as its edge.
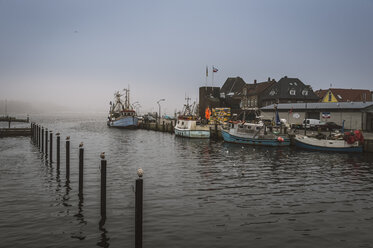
(208, 97)
(254, 94)
(344, 95)
(288, 90)
(231, 94)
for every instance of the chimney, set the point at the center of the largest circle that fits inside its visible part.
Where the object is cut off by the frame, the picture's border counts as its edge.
(269, 79)
(254, 81)
(286, 77)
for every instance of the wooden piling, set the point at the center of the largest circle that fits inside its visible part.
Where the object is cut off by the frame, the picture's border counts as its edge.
(163, 126)
(50, 147)
(46, 142)
(32, 131)
(216, 131)
(58, 151)
(139, 209)
(103, 185)
(37, 135)
(81, 155)
(42, 139)
(68, 158)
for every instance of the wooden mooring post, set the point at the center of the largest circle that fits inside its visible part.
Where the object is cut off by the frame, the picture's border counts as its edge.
(50, 147)
(32, 132)
(46, 142)
(68, 158)
(139, 209)
(42, 140)
(58, 150)
(81, 157)
(216, 131)
(38, 136)
(103, 186)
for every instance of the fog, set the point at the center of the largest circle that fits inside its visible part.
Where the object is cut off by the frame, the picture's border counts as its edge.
(73, 55)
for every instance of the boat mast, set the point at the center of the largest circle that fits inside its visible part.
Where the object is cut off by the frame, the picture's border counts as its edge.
(128, 97)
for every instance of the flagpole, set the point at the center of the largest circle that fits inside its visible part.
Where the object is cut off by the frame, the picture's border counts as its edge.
(212, 84)
(207, 73)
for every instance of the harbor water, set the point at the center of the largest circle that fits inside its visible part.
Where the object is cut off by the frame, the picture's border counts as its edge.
(197, 193)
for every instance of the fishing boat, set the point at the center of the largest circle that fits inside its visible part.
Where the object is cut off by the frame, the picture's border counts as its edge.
(350, 142)
(122, 113)
(188, 124)
(253, 134)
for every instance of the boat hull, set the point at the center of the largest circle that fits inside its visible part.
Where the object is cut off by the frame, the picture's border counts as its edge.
(252, 141)
(125, 122)
(332, 146)
(197, 134)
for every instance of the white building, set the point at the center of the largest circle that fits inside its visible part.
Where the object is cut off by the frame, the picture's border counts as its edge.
(356, 115)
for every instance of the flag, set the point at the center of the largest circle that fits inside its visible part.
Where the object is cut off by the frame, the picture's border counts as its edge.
(278, 122)
(208, 113)
(326, 115)
(207, 71)
(214, 69)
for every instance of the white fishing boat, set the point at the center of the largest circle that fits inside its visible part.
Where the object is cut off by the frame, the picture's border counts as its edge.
(351, 142)
(189, 126)
(122, 114)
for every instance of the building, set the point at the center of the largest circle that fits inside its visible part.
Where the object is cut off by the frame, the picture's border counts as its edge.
(356, 115)
(254, 94)
(344, 95)
(288, 90)
(231, 94)
(208, 97)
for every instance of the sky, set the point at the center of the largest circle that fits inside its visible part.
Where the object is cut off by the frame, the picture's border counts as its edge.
(78, 53)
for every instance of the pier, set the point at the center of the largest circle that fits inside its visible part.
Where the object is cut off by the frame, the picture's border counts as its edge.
(169, 125)
(11, 119)
(13, 132)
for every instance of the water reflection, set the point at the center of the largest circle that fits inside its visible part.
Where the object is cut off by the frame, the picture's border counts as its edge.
(199, 193)
(66, 197)
(104, 239)
(81, 221)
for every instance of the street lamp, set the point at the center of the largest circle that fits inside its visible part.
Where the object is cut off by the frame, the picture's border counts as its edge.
(159, 108)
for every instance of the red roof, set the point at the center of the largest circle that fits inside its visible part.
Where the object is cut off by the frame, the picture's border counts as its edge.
(347, 95)
(257, 88)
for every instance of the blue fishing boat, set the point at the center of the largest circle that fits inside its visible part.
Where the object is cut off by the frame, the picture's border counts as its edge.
(253, 134)
(122, 113)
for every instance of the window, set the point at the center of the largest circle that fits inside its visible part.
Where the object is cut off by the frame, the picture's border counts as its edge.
(292, 92)
(305, 92)
(330, 97)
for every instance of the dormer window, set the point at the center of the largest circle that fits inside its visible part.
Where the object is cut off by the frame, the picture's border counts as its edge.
(292, 92)
(305, 92)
